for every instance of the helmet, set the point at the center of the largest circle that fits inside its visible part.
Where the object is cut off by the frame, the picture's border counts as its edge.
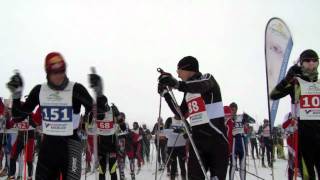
(54, 63)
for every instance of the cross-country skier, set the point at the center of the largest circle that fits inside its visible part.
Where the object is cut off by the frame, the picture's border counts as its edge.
(253, 142)
(60, 101)
(267, 142)
(25, 140)
(146, 142)
(238, 147)
(202, 103)
(107, 143)
(135, 147)
(162, 154)
(123, 138)
(175, 134)
(302, 84)
(291, 131)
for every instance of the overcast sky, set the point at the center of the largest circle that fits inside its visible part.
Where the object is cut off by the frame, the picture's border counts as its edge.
(127, 40)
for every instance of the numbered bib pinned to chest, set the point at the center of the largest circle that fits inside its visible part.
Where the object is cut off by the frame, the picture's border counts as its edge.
(197, 109)
(57, 112)
(309, 100)
(238, 125)
(106, 126)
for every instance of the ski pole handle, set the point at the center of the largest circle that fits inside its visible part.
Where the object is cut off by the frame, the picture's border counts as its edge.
(160, 70)
(93, 70)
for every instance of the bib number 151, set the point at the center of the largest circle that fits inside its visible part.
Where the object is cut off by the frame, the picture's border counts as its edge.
(57, 113)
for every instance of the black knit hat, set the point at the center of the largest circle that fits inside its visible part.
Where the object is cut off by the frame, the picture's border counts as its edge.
(233, 104)
(308, 54)
(189, 63)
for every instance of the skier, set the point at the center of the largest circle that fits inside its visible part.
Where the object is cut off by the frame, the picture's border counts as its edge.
(238, 147)
(291, 130)
(202, 103)
(60, 101)
(253, 142)
(229, 124)
(175, 134)
(123, 138)
(107, 143)
(146, 137)
(302, 84)
(135, 147)
(25, 140)
(267, 142)
(162, 155)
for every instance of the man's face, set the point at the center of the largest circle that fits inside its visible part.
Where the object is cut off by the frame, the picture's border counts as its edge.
(144, 126)
(234, 110)
(310, 64)
(57, 78)
(184, 75)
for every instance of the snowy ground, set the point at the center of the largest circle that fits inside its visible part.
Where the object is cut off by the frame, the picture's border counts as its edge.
(147, 171)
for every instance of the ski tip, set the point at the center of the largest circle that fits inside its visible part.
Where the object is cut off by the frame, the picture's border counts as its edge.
(93, 70)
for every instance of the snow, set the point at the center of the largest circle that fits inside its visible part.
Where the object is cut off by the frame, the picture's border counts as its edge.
(147, 171)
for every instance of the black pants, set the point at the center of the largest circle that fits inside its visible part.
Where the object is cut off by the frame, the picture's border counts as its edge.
(180, 153)
(59, 155)
(162, 155)
(267, 148)
(146, 149)
(107, 151)
(213, 150)
(254, 145)
(20, 144)
(309, 149)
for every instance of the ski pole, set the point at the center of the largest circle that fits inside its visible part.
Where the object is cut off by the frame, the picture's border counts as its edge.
(158, 138)
(94, 111)
(186, 128)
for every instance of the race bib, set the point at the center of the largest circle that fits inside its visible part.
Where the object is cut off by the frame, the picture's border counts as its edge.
(23, 125)
(106, 126)
(309, 100)
(57, 120)
(197, 109)
(57, 112)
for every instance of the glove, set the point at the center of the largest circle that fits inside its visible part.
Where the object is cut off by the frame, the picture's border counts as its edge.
(167, 79)
(96, 84)
(88, 117)
(15, 85)
(162, 89)
(10, 124)
(115, 110)
(293, 72)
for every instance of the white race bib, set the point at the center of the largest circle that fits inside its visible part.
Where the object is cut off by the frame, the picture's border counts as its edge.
(57, 111)
(106, 126)
(309, 100)
(197, 109)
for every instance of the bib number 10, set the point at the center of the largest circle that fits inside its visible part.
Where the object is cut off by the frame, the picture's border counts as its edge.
(310, 101)
(56, 114)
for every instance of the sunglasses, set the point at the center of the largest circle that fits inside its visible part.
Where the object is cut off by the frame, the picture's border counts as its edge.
(310, 59)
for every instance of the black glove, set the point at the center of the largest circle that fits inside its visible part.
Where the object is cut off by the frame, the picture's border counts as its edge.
(96, 84)
(162, 89)
(167, 79)
(88, 117)
(15, 86)
(115, 110)
(294, 71)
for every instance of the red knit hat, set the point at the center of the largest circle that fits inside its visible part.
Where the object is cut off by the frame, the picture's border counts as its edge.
(54, 63)
(227, 111)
